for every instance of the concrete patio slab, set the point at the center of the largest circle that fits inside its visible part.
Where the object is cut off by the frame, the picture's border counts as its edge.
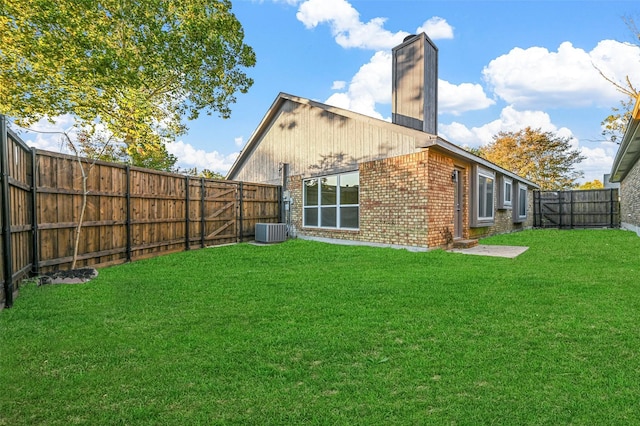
(496, 251)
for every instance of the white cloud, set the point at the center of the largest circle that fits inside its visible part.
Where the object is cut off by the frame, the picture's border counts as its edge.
(47, 134)
(239, 141)
(370, 85)
(189, 157)
(338, 85)
(536, 77)
(598, 162)
(346, 26)
(436, 28)
(511, 120)
(349, 31)
(456, 99)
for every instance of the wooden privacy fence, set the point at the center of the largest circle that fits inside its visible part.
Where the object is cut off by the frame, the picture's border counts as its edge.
(131, 213)
(593, 208)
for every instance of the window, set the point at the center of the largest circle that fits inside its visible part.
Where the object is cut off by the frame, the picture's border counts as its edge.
(505, 192)
(332, 201)
(520, 204)
(483, 195)
(522, 201)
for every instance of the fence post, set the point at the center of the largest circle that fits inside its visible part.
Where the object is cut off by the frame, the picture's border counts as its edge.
(35, 268)
(611, 208)
(202, 221)
(241, 199)
(187, 224)
(571, 209)
(128, 206)
(7, 262)
(535, 213)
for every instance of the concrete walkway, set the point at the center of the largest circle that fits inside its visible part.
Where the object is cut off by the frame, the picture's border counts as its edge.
(496, 251)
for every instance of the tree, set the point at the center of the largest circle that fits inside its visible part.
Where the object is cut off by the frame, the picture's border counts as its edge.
(205, 173)
(615, 124)
(541, 157)
(594, 184)
(136, 68)
(129, 68)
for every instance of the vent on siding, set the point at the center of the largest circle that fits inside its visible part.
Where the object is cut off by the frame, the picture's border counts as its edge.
(271, 232)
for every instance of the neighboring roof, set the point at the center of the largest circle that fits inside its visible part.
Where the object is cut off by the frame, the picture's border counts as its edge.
(629, 150)
(423, 140)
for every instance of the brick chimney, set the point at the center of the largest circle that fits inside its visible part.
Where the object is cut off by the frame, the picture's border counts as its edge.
(415, 84)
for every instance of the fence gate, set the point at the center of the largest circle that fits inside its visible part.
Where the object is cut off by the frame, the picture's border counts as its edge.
(593, 208)
(221, 199)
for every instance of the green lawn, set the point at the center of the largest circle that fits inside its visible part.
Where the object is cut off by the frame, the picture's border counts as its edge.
(311, 333)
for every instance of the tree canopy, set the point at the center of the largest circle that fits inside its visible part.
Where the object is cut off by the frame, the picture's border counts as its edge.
(615, 124)
(542, 157)
(594, 184)
(136, 67)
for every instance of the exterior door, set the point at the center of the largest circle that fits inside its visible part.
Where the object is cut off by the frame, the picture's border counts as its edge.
(457, 203)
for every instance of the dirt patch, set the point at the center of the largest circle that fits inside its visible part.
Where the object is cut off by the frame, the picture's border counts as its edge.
(73, 276)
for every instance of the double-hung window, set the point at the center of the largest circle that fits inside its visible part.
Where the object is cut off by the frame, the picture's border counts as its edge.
(505, 191)
(520, 204)
(332, 201)
(483, 192)
(522, 201)
(485, 196)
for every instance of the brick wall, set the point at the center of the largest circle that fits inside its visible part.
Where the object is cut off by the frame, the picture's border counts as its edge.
(393, 203)
(440, 208)
(630, 199)
(407, 201)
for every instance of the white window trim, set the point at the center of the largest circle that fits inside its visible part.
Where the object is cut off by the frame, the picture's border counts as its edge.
(319, 206)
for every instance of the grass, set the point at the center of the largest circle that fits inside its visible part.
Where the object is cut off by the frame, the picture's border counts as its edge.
(310, 333)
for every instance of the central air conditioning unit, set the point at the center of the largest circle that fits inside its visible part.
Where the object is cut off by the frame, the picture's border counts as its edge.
(271, 232)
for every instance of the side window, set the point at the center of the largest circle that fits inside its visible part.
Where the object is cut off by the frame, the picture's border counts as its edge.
(483, 198)
(505, 192)
(522, 201)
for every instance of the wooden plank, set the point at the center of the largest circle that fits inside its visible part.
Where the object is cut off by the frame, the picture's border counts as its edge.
(222, 228)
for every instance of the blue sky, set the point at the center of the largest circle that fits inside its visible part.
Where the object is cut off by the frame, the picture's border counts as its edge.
(503, 65)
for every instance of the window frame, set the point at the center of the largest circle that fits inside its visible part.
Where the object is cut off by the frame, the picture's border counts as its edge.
(504, 192)
(479, 194)
(318, 207)
(521, 193)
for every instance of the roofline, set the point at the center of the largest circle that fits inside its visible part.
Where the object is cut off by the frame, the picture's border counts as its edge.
(283, 97)
(471, 157)
(629, 140)
(423, 139)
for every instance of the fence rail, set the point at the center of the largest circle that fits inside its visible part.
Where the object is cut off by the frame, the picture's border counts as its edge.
(131, 213)
(594, 208)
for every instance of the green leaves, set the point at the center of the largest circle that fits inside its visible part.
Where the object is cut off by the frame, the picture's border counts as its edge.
(137, 67)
